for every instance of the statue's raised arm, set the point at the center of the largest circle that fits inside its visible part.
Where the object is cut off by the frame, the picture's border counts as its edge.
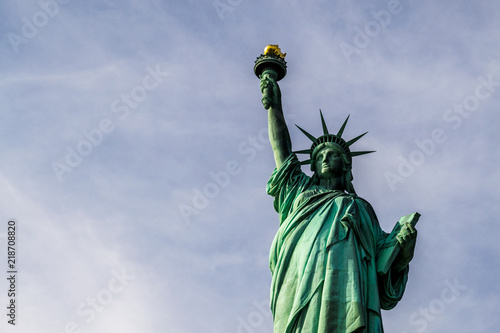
(270, 67)
(278, 131)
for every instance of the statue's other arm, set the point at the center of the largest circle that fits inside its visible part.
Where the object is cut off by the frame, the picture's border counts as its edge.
(278, 131)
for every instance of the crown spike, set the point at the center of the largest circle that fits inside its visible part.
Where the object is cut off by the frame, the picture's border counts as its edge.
(312, 138)
(358, 153)
(325, 129)
(350, 142)
(341, 130)
(336, 139)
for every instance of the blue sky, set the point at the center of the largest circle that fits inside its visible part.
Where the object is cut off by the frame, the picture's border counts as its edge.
(135, 154)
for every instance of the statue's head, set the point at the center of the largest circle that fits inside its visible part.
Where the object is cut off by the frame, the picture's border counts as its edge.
(330, 156)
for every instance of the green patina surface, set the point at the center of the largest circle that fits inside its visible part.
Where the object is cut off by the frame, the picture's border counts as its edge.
(333, 267)
(323, 259)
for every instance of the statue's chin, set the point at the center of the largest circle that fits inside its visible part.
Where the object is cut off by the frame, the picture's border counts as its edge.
(325, 176)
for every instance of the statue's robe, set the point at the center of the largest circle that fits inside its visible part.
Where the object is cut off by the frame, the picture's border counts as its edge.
(323, 259)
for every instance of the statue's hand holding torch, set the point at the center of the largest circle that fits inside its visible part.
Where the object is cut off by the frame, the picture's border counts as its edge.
(271, 94)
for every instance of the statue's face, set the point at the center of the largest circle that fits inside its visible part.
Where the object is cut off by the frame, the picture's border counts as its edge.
(329, 163)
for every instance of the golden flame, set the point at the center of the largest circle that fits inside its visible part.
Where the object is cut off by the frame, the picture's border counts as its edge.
(274, 49)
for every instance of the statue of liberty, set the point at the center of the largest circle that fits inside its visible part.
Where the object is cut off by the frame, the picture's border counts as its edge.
(329, 263)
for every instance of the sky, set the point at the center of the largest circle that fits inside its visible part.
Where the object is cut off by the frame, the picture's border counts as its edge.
(134, 155)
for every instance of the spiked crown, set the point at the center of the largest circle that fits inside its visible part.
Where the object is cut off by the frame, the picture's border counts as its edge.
(332, 138)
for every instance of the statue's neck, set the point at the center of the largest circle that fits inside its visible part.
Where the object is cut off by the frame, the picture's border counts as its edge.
(335, 183)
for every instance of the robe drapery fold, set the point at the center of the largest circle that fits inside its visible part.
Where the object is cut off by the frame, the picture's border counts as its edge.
(323, 259)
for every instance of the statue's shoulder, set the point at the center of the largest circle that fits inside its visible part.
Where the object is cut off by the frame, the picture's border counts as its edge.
(361, 201)
(342, 198)
(365, 204)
